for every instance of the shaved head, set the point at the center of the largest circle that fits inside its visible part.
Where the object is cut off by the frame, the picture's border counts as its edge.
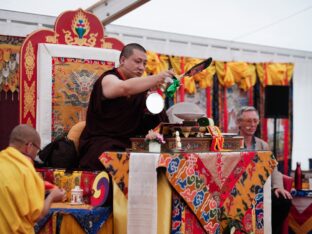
(22, 134)
(128, 50)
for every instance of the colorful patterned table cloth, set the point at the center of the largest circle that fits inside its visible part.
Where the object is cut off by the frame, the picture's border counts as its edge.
(223, 190)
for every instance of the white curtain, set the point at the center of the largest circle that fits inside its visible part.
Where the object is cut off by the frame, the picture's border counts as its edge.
(302, 113)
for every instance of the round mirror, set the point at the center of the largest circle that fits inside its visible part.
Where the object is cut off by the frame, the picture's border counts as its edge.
(155, 103)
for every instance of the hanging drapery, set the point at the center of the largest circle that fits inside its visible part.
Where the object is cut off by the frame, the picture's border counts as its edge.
(9, 63)
(189, 81)
(159, 62)
(203, 78)
(156, 63)
(175, 62)
(275, 73)
(225, 76)
(240, 73)
(9, 85)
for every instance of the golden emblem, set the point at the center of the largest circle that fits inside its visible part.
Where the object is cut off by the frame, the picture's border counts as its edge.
(81, 28)
(29, 61)
(29, 99)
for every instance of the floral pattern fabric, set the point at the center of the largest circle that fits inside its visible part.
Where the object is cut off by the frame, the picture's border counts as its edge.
(221, 189)
(117, 165)
(220, 205)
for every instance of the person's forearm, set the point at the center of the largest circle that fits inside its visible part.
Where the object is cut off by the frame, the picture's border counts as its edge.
(47, 204)
(277, 179)
(137, 85)
(112, 87)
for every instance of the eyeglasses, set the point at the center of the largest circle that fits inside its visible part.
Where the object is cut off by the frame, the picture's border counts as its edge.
(35, 145)
(251, 121)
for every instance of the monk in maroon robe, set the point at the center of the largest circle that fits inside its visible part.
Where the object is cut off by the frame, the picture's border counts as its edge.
(117, 110)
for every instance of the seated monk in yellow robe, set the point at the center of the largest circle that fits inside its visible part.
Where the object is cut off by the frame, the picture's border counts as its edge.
(22, 192)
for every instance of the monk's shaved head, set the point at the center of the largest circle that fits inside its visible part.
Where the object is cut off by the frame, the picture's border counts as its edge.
(22, 134)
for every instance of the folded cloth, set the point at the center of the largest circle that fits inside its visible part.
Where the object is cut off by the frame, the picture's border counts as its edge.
(142, 193)
(91, 220)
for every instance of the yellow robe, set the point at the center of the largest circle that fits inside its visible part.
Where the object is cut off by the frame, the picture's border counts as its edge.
(21, 193)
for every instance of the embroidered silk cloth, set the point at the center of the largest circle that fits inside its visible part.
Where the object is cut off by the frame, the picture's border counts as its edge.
(117, 165)
(73, 80)
(183, 220)
(220, 191)
(223, 189)
(9, 59)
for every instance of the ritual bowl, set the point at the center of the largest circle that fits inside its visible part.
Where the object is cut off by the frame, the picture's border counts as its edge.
(188, 116)
(186, 131)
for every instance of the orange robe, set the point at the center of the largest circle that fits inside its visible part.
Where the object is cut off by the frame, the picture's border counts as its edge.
(21, 193)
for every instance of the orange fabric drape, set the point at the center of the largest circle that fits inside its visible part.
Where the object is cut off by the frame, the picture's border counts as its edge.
(176, 64)
(189, 82)
(204, 78)
(240, 73)
(156, 63)
(275, 73)
(229, 73)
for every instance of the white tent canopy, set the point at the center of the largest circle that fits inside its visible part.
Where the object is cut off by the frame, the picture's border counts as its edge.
(276, 23)
(11, 23)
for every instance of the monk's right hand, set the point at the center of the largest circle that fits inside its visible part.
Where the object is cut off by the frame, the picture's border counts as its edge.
(58, 195)
(162, 76)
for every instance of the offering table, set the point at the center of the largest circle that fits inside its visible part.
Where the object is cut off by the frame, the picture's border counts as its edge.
(88, 217)
(190, 192)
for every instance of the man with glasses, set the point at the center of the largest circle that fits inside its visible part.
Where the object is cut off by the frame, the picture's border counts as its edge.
(21, 188)
(247, 122)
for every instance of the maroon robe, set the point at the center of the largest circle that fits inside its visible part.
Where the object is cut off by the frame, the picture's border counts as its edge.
(111, 122)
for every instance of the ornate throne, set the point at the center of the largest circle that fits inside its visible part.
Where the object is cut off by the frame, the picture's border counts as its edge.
(58, 69)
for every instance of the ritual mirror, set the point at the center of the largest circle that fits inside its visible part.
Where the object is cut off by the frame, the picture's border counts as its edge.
(155, 103)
